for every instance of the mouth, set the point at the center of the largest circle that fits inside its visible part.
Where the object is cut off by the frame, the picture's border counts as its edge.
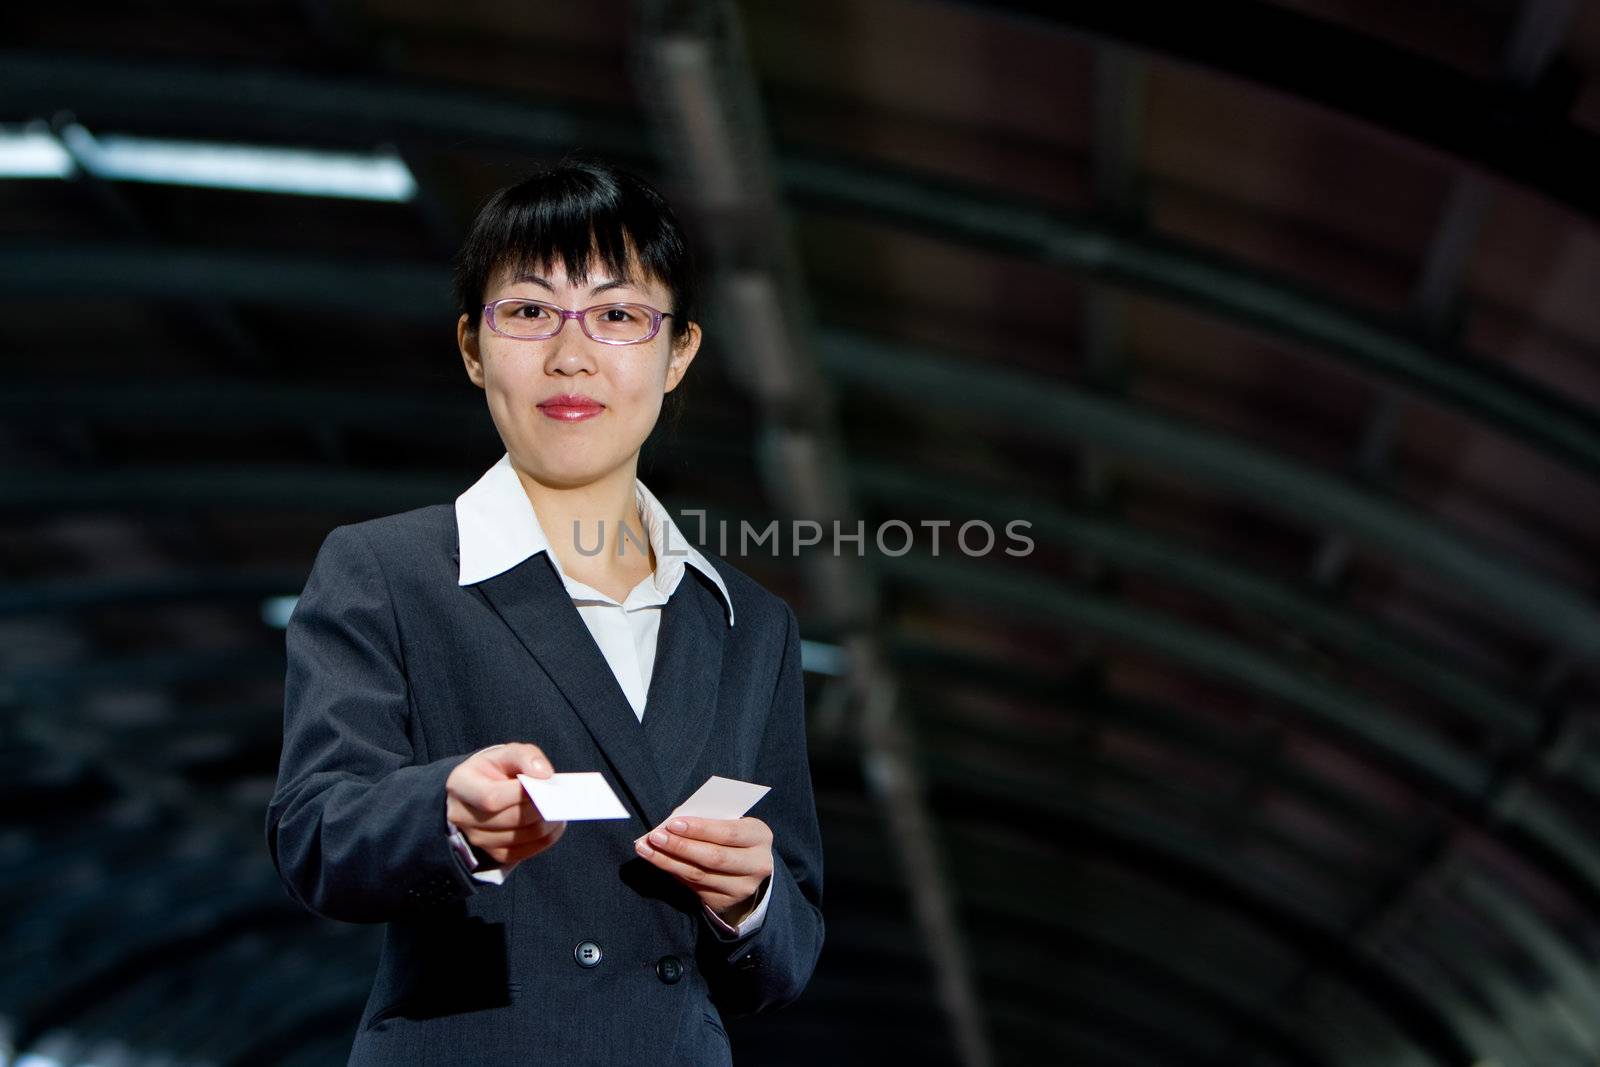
(571, 407)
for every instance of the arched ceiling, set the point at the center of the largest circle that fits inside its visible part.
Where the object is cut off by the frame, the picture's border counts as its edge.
(1274, 321)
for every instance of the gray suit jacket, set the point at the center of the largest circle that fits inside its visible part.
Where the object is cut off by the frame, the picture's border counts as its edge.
(396, 674)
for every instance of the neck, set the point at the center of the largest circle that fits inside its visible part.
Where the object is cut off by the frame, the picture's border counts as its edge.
(585, 523)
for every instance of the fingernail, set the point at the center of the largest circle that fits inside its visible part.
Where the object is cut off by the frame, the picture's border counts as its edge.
(539, 766)
(678, 825)
(642, 848)
(658, 837)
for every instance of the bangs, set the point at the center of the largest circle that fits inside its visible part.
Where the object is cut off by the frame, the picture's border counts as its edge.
(539, 238)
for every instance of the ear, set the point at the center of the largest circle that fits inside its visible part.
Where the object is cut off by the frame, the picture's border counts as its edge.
(682, 355)
(467, 341)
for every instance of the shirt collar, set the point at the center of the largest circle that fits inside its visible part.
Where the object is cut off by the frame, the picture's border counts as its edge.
(498, 529)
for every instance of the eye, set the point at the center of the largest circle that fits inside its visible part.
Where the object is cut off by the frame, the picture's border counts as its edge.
(620, 313)
(527, 311)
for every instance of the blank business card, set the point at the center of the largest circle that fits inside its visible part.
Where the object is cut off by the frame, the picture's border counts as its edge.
(722, 798)
(719, 798)
(573, 796)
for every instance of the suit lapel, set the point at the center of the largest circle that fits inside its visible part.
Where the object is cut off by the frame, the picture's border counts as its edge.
(535, 605)
(682, 699)
(653, 760)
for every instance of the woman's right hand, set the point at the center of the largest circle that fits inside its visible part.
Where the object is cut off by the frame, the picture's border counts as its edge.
(491, 809)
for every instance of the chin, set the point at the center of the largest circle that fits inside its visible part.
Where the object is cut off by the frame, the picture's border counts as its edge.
(560, 475)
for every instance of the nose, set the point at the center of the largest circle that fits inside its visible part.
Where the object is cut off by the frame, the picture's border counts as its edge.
(568, 351)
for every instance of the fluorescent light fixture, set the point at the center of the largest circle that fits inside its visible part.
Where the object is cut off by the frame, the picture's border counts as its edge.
(821, 658)
(34, 1059)
(35, 152)
(275, 611)
(32, 153)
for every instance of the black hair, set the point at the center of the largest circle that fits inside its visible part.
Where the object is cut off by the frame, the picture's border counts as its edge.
(578, 208)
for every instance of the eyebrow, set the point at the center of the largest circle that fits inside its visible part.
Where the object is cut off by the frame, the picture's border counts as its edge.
(615, 283)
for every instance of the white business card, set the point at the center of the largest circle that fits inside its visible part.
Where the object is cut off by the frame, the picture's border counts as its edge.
(722, 798)
(573, 796)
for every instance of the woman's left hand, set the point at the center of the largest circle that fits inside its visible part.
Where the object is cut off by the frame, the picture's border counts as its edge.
(724, 861)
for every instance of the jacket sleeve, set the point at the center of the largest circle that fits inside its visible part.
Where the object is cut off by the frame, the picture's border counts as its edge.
(770, 967)
(355, 827)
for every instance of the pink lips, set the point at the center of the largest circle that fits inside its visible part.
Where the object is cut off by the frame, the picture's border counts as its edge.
(571, 407)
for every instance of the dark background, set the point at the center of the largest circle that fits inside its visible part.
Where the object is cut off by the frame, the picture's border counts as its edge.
(1276, 321)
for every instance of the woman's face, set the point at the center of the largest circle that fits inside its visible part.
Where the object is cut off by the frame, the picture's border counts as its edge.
(627, 381)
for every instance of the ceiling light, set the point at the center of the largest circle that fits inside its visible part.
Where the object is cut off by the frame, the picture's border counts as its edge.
(32, 153)
(297, 171)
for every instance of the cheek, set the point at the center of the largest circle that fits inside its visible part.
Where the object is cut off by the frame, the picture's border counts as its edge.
(510, 396)
(508, 377)
(642, 382)
(661, 370)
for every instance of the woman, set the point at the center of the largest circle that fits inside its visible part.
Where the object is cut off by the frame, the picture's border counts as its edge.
(437, 654)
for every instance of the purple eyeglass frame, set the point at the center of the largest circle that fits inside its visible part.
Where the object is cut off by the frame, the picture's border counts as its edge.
(655, 319)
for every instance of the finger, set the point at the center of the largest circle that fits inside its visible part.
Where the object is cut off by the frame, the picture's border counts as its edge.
(719, 859)
(521, 836)
(525, 816)
(700, 880)
(518, 757)
(511, 852)
(739, 833)
(488, 796)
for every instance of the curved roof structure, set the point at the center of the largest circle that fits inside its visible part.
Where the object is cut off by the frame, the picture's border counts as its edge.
(1215, 387)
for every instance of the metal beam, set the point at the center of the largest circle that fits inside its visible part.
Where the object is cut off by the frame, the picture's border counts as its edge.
(1577, 983)
(1524, 135)
(1154, 850)
(1465, 779)
(281, 102)
(1161, 719)
(156, 271)
(1541, 25)
(367, 109)
(61, 595)
(187, 316)
(160, 488)
(1118, 97)
(1478, 700)
(1478, 389)
(701, 90)
(255, 404)
(355, 492)
(1142, 958)
(1058, 413)
(1433, 758)
(1061, 413)
(1573, 979)
(1482, 391)
(1530, 819)
(1314, 878)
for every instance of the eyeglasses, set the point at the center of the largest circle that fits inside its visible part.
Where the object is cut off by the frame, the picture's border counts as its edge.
(610, 324)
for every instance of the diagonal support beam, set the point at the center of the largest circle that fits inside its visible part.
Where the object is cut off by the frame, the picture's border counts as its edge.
(697, 80)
